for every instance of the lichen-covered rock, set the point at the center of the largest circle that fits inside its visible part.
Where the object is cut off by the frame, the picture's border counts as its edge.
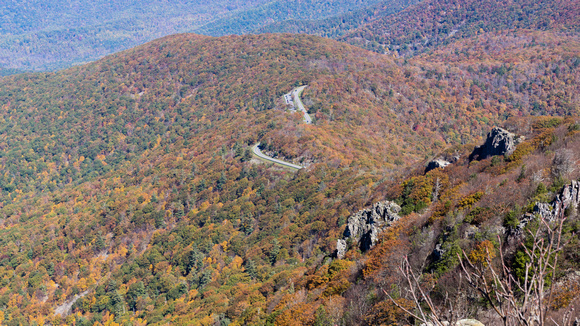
(436, 164)
(469, 322)
(499, 142)
(364, 226)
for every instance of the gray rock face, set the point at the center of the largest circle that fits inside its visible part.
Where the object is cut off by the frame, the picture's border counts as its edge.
(364, 226)
(340, 248)
(499, 142)
(569, 197)
(435, 164)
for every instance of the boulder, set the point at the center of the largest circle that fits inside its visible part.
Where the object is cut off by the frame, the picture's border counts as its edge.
(436, 164)
(364, 226)
(499, 142)
(469, 322)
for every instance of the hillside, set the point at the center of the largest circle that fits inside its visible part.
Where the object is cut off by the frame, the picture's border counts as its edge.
(433, 23)
(251, 21)
(337, 25)
(53, 35)
(128, 182)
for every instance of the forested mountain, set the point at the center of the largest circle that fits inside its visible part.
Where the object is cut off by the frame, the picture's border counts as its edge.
(432, 23)
(127, 181)
(337, 25)
(252, 20)
(53, 35)
(129, 193)
(49, 35)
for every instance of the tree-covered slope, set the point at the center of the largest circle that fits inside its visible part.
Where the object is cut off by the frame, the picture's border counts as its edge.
(252, 21)
(49, 35)
(52, 35)
(337, 25)
(429, 24)
(129, 182)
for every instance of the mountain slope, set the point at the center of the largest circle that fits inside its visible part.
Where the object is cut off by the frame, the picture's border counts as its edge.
(49, 35)
(432, 23)
(53, 35)
(129, 181)
(250, 21)
(337, 26)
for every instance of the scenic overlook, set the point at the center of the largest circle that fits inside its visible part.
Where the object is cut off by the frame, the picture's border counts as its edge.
(298, 162)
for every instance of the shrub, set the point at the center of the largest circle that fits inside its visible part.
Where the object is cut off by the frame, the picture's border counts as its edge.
(511, 220)
(470, 200)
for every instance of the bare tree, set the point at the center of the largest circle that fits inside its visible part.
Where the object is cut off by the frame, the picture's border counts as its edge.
(437, 315)
(523, 301)
(436, 189)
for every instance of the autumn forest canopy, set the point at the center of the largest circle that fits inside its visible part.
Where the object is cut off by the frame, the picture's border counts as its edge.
(129, 193)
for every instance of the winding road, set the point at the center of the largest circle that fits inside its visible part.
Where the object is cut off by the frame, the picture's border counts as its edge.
(295, 93)
(256, 150)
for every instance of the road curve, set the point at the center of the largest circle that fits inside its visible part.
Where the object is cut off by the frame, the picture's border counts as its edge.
(256, 150)
(296, 95)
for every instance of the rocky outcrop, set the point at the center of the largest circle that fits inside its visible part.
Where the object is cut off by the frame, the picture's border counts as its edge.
(499, 142)
(436, 164)
(569, 197)
(363, 227)
(341, 248)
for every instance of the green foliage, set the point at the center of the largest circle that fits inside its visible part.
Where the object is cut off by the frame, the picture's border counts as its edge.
(511, 219)
(496, 160)
(478, 215)
(574, 127)
(416, 194)
(449, 259)
(321, 317)
(548, 123)
(558, 183)
(522, 174)
(274, 252)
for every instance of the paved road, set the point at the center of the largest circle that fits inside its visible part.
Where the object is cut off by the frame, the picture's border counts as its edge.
(291, 98)
(256, 150)
(296, 95)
